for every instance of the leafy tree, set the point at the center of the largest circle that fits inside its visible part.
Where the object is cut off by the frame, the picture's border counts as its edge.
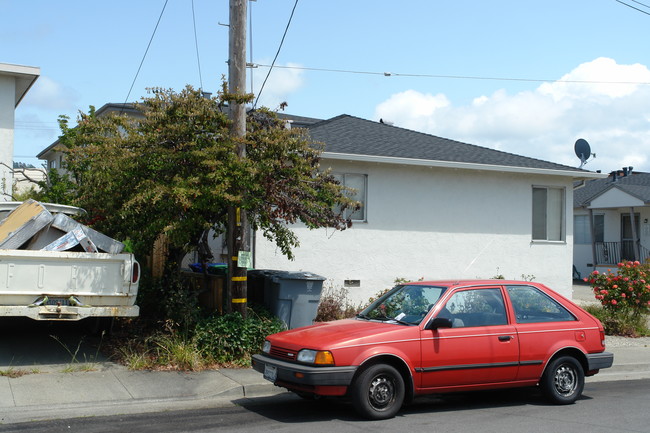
(176, 171)
(55, 188)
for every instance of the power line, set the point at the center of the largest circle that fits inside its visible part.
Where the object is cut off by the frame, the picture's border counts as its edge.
(635, 8)
(146, 51)
(458, 77)
(277, 53)
(196, 43)
(639, 3)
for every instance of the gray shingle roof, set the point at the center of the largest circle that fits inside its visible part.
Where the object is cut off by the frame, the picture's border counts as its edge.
(353, 135)
(637, 185)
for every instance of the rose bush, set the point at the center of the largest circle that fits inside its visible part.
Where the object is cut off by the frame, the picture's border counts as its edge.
(624, 295)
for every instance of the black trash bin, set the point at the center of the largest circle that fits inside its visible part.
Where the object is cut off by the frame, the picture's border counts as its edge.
(291, 296)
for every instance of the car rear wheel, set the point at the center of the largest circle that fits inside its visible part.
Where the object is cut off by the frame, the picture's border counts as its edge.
(563, 380)
(378, 392)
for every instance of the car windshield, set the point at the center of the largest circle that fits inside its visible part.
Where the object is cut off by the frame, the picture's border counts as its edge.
(405, 304)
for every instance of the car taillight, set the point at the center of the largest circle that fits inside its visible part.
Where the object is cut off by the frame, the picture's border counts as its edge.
(602, 337)
(135, 274)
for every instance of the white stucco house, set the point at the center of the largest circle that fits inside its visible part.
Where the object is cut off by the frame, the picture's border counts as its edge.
(611, 221)
(435, 208)
(15, 82)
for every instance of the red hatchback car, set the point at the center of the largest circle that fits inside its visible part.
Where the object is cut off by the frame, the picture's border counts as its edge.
(439, 337)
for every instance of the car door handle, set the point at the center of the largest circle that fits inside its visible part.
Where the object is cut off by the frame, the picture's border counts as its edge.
(505, 337)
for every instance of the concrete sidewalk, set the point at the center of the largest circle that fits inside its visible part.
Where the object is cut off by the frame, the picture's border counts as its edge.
(114, 390)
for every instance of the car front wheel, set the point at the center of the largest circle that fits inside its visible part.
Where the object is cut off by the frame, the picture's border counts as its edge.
(564, 380)
(378, 392)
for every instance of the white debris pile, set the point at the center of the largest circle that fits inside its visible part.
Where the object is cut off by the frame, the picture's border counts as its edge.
(32, 225)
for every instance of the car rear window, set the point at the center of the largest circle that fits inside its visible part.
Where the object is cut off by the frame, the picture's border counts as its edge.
(531, 305)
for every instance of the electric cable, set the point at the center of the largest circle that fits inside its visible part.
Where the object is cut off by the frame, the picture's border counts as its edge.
(459, 77)
(196, 44)
(145, 54)
(276, 54)
(635, 8)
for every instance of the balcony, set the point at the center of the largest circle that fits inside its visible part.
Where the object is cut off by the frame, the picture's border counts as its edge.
(611, 253)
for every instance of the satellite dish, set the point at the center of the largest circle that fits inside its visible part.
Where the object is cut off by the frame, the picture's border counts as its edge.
(583, 150)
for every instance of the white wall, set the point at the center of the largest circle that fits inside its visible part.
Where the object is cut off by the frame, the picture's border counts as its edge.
(23, 179)
(433, 223)
(7, 106)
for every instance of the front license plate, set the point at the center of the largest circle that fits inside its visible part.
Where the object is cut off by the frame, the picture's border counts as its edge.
(270, 372)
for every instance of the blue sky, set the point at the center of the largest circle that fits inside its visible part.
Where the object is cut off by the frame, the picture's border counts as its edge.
(524, 77)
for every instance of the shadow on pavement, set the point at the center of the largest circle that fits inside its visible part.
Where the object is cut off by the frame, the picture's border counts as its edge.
(30, 344)
(288, 408)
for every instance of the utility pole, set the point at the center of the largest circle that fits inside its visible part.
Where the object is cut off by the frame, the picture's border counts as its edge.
(238, 227)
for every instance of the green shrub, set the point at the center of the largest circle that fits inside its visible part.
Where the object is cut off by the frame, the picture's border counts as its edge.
(615, 325)
(168, 299)
(231, 339)
(624, 296)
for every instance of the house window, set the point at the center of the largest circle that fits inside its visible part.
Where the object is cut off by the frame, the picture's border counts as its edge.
(582, 231)
(548, 214)
(359, 184)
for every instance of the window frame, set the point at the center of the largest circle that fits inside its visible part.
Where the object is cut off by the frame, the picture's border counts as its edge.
(584, 237)
(341, 177)
(544, 296)
(468, 318)
(535, 213)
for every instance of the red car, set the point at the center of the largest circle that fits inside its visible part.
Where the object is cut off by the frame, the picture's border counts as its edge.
(439, 337)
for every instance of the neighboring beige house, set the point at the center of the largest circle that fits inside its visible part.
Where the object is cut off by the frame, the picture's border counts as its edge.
(611, 221)
(15, 82)
(52, 155)
(433, 208)
(26, 178)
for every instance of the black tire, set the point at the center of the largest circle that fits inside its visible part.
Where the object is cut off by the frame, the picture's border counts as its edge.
(563, 380)
(378, 392)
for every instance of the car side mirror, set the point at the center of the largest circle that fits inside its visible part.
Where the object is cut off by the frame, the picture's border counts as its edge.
(439, 322)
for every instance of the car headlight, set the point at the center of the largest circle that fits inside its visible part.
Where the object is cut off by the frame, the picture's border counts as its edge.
(317, 357)
(267, 346)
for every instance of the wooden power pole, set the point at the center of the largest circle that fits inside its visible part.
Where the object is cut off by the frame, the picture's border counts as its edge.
(238, 227)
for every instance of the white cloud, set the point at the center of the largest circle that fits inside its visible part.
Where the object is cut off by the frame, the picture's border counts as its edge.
(279, 86)
(545, 122)
(49, 94)
(600, 78)
(412, 110)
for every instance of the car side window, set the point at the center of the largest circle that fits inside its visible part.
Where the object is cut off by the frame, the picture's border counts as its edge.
(531, 305)
(475, 307)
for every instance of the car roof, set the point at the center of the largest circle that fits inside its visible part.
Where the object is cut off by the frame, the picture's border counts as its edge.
(459, 283)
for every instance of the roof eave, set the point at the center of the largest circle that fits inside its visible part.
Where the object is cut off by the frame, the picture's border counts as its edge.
(577, 174)
(25, 77)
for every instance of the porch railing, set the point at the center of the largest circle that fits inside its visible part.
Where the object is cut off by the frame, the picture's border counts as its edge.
(611, 253)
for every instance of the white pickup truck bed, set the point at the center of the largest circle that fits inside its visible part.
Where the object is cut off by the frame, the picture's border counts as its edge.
(55, 285)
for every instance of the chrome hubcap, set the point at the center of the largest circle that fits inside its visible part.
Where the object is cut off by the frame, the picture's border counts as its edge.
(566, 380)
(381, 392)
